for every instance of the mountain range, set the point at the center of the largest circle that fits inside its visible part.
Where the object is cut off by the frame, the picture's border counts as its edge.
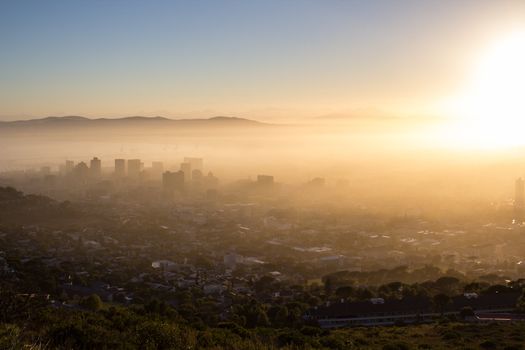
(78, 121)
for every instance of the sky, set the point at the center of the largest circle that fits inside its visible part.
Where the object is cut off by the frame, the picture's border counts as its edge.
(267, 60)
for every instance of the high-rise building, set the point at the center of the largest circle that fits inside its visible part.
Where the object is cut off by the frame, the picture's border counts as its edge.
(265, 180)
(196, 163)
(210, 181)
(196, 175)
(317, 182)
(70, 165)
(95, 167)
(120, 167)
(519, 198)
(186, 169)
(173, 181)
(134, 168)
(81, 171)
(157, 168)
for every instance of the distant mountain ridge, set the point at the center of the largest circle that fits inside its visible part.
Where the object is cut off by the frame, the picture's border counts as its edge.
(79, 120)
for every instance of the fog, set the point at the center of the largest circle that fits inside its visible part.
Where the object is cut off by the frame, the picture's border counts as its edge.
(385, 162)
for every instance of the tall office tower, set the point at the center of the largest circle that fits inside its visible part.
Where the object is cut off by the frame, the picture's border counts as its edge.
(157, 168)
(196, 175)
(316, 182)
(70, 165)
(173, 181)
(120, 167)
(95, 167)
(134, 168)
(210, 181)
(81, 171)
(196, 163)
(265, 180)
(186, 169)
(519, 198)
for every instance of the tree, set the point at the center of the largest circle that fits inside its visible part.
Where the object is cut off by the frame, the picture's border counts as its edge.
(262, 318)
(497, 288)
(344, 292)
(92, 302)
(161, 335)
(152, 306)
(520, 304)
(446, 281)
(254, 314)
(278, 315)
(440, 302)
(447, 284)
(10, 336)
(466, 312)
(364, 293)
(14, 307)
(474, 287)
(264, 284)
(328, 285)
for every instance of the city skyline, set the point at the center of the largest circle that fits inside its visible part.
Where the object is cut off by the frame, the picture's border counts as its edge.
(262, 174)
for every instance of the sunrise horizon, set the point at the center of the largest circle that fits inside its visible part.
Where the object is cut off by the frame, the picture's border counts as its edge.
(262, 174)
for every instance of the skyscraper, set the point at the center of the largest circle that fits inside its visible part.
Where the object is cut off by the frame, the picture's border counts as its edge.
(157, 168)
(81, 171)
(196, 175)
(186, 169)
(196, 163)
(519, 199)
(70, 165)
(316, 182)
(210, 181)
(173, 181)
(265, 180)
(95, 167)
(134, 168)
(120, 168)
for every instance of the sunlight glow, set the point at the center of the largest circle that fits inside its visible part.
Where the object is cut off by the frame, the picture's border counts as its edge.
(491, 110)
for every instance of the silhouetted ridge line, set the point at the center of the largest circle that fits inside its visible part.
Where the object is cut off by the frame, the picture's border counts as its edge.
(133, 120)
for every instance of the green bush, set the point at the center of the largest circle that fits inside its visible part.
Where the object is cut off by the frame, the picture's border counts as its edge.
(92, 302)
(397, 346)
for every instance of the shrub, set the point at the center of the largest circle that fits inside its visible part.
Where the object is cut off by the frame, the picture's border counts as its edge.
(92, 302)
(488, 344)
(397, 346)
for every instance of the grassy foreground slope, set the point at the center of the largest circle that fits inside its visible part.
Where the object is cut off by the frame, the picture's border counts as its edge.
(142, 328)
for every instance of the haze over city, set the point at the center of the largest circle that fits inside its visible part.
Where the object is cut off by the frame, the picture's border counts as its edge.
(262, 174)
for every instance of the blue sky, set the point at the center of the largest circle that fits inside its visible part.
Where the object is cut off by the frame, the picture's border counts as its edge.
(262, 59)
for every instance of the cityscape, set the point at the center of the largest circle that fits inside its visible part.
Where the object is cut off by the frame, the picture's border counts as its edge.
(136, 234)
(262, 175)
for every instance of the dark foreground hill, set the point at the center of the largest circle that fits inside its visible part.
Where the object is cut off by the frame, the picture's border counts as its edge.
(26, 324)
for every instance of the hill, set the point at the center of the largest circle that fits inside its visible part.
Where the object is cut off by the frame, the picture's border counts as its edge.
(78, 121)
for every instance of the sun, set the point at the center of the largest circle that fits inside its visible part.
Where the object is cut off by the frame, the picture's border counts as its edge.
(491, 108)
